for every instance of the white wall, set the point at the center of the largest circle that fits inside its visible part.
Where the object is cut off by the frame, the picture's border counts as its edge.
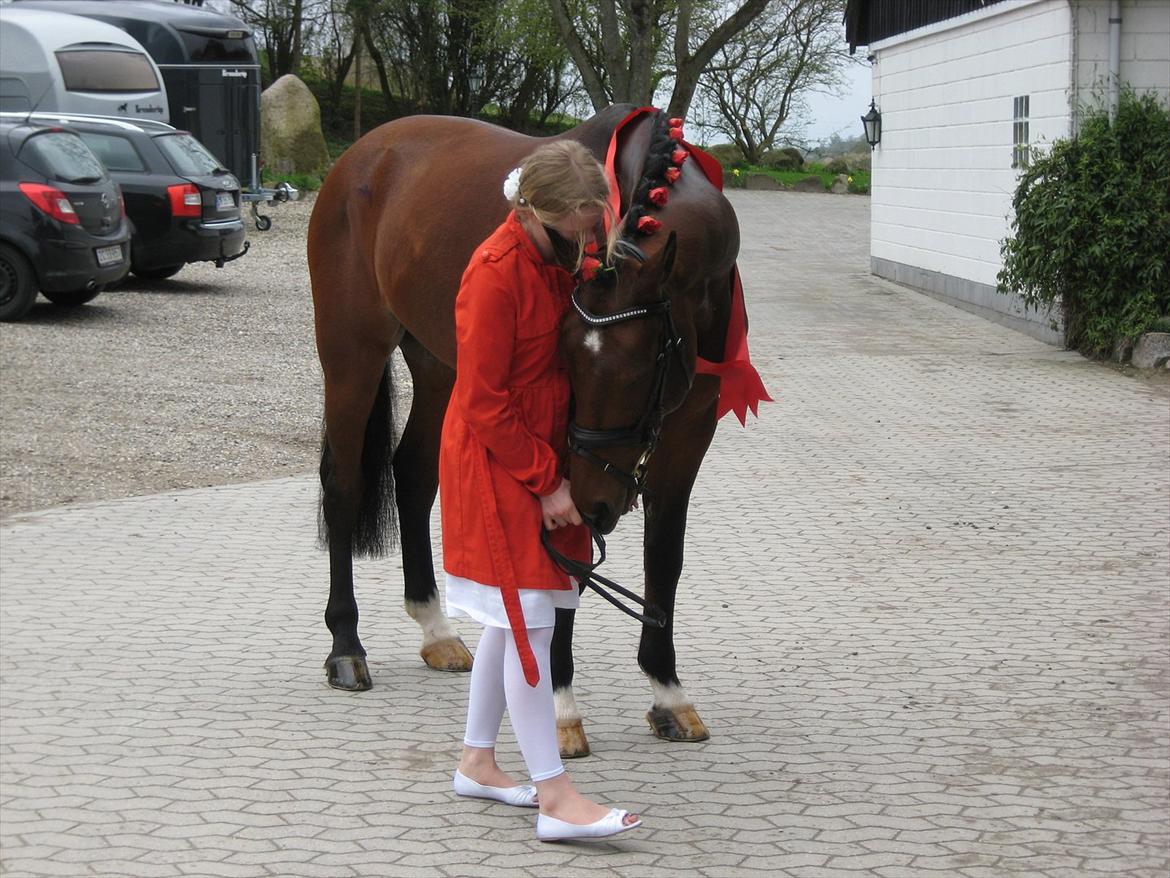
(1145, 47)
(942, 175)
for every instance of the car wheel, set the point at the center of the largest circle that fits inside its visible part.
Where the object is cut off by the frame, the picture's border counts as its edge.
(73, 298)
(18, 284)
(161, 273)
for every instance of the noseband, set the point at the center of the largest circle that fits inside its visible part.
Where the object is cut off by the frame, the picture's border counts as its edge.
(645, 432)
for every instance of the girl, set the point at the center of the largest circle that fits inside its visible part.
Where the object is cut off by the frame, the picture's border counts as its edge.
(500, 481)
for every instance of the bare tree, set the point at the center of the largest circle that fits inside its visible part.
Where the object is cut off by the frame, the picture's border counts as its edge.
(758, 79)
(625, 50)
(280, 26)
(334, 50)
(455, 56)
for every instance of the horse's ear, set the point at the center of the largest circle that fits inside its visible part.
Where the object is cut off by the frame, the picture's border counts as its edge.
(668, 253)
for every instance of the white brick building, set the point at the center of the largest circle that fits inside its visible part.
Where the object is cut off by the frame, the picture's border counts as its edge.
(963, 86)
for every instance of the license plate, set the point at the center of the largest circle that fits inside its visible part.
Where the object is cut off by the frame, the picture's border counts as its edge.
(224, 201)
(107, 256)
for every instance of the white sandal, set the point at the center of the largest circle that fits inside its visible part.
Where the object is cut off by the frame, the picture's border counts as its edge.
(613, 823)
(521, 796)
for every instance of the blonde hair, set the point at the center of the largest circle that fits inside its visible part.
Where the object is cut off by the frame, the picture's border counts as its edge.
(561, 178)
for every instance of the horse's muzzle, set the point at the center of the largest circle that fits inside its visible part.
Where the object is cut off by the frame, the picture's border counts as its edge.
(602, 517)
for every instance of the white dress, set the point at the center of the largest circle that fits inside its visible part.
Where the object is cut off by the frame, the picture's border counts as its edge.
(485, 603)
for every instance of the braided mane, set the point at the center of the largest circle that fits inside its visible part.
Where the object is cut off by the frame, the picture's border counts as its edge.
(658, 160)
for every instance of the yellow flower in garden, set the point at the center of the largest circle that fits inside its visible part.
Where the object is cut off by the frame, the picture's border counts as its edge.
(850, 179)
(735, 171)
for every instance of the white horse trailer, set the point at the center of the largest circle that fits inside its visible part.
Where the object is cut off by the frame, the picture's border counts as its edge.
(54, 62)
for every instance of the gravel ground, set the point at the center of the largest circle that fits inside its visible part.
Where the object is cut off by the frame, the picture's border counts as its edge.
(208, 378)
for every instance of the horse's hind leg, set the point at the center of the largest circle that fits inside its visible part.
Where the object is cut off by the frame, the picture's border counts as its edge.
(356, 489)
(416, 479)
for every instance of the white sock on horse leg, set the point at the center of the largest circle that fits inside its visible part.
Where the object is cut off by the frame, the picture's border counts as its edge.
(531, 709)
(485, 699)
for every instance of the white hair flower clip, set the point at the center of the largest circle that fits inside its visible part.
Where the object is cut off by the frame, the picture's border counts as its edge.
(512, 185)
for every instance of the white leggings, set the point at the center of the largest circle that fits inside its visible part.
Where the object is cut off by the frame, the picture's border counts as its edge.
(497, 680)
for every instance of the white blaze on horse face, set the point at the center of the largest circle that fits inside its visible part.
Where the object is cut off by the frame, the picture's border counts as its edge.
(593, 342)
(430, 618)
(669, 696)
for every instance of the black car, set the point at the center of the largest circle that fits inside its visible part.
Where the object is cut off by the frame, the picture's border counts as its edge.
(183, 204)
(63, 227)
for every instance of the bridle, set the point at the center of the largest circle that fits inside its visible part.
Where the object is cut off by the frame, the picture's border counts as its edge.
(583, 441)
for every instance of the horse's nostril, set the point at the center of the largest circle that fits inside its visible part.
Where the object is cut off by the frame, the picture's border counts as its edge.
(602, 517)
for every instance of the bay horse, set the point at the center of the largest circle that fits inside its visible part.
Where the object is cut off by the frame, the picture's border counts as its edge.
(392, 230)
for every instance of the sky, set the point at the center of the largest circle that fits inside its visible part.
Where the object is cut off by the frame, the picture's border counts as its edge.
(842, 115)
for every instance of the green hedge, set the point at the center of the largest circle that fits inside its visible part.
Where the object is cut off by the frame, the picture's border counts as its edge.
(1091, 231)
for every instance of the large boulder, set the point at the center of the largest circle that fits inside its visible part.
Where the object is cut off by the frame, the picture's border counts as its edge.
(291, 141)
(808, 184)
(761, 181)
(1152, 350)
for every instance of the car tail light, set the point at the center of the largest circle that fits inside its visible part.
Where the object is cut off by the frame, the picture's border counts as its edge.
(185, 200)
(52, 201)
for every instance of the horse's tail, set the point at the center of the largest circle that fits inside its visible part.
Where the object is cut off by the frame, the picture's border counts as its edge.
(374, 529)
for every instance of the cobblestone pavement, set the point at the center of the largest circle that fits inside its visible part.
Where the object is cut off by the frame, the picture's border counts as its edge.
(924, 613)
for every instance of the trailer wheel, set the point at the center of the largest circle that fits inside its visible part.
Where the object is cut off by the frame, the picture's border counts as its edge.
(18, 284)
(263, 223)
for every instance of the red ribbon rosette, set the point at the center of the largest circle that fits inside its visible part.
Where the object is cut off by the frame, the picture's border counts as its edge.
(672, 175)
(647, 225)
(589, 268)
(679, 156)
(674, 122)
(676, 134)
(659, 196)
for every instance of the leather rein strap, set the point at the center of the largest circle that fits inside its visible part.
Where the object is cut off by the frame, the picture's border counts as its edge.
(587, 575)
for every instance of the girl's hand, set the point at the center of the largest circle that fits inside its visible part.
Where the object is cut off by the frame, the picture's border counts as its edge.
(557, 509)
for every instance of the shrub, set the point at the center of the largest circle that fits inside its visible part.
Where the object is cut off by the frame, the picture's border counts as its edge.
(837, 165)
(727, 154)
(787, 159)
(1091, 230)
(301, 182)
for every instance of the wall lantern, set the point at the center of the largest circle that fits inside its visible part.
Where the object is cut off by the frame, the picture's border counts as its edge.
(873, 126)
(475, 79)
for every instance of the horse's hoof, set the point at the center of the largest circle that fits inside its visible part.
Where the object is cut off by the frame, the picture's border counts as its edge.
(677, 725)
(572, 741)
(447, 655)
(348, 672)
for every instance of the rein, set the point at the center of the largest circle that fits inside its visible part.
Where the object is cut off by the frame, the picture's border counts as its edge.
(587, 575)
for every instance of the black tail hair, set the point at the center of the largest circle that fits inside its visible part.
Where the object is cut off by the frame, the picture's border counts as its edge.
(375, 529)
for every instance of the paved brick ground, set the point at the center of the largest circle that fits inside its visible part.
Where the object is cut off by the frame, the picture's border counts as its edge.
(925, 614)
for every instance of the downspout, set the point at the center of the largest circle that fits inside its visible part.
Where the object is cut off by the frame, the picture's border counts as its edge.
(1074, 91)
(1114, 57)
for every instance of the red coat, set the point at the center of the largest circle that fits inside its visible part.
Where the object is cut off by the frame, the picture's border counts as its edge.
(503, 439)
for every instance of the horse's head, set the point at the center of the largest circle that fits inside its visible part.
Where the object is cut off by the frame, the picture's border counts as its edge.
(629, 367)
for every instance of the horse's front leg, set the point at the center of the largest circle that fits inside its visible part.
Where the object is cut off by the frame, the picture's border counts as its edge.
(416, 481)
(685, 440)
(570, 730)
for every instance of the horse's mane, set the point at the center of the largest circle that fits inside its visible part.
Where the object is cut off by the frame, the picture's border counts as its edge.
(658, 159)
(653, 175)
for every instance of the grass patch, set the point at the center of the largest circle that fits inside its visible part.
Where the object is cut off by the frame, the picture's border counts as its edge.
(735, 177)
(301, 182)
